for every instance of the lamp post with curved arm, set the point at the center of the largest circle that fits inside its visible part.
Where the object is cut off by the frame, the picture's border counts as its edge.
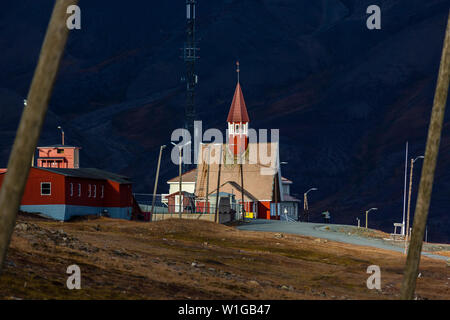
(305, 202)
(367, 213)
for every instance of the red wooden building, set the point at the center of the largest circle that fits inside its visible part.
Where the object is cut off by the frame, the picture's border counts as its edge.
(63, 193)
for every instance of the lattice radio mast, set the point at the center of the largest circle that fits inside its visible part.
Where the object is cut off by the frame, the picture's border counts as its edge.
(190, 56)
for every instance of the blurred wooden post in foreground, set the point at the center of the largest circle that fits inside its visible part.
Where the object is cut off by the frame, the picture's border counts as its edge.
(31, 122)
(428, 170)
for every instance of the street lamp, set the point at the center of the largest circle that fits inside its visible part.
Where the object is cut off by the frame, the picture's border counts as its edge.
(156, 180)
(180, 173)
(305, 202)
(367, 212)
(409, 195)
(62, 134)
(312, 189)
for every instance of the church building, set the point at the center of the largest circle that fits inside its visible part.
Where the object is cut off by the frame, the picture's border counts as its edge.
(250, 171)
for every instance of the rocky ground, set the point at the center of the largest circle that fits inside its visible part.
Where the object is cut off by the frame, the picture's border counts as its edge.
(197, 260)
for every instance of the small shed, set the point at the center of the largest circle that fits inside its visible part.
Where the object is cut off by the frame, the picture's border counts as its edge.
(187, 202)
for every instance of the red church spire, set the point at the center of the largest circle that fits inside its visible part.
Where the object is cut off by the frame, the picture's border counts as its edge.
(238, 110)
(238, 121)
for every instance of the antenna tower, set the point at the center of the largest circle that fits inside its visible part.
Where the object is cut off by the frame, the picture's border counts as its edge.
(190, 56)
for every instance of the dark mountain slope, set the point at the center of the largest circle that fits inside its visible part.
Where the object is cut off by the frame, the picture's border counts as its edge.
(346, 99)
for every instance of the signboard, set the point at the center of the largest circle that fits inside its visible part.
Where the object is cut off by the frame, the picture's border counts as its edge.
(249, 215)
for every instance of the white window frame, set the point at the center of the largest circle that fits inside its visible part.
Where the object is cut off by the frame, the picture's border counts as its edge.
(89, 190)
(50, 184)
(231, 128)
(102, 194)
(95, 191)
(71, 189)
(79, 190)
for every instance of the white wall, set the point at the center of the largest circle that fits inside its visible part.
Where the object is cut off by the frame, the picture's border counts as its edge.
(185, 186)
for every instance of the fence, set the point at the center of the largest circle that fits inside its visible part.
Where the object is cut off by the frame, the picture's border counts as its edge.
(165, 207)
(169, 207)
(145, 201)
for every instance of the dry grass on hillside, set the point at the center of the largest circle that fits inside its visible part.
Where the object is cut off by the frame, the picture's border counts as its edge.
(189, 259)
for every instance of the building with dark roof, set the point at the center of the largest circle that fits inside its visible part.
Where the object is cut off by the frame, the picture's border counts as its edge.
(64, 193)
(58, 188)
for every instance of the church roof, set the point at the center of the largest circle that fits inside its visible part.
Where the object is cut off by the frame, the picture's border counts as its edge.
(259, 172)
(238, 110)
(188, 176)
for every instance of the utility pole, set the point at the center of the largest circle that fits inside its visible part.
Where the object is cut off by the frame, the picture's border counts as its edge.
(180, 172)
(276, 195)
(207, 207)
(218, 186)
(242, 192)
(404, 191)
(31, 122)
(305, 206)
(156, 181)
(181, 182)
(428, 172)
(34, 151)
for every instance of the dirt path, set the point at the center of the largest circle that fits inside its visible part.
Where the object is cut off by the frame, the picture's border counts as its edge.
(186, 259)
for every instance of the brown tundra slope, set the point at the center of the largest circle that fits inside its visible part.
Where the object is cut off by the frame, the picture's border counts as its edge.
(187, 259)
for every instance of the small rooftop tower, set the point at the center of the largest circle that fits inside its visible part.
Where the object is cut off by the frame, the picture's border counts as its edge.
(59, 155)
(238, 121)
